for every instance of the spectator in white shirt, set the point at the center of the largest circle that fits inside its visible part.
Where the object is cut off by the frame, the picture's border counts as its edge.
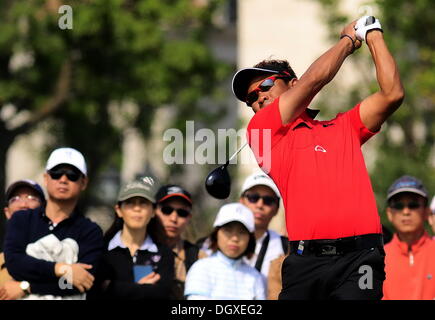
(260, 194)
(225, 274)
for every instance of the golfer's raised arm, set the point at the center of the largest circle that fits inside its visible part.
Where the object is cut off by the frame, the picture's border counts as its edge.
(375, 109)
(293, 102)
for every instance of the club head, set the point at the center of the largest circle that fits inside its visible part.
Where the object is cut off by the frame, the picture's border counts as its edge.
(218, 183)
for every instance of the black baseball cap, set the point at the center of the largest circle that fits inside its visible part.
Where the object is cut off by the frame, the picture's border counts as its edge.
(173, 190)
(25, 183)
(407, 184)
(243, 78)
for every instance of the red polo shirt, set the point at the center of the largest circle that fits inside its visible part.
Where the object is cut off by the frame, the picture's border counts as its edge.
(410, 270)
(319, 169)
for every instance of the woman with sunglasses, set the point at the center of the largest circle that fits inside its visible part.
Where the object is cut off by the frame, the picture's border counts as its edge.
(225, 275)
(174, 210)
(136, 265)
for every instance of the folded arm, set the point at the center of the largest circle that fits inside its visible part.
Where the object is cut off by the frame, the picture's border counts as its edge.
(20, 265)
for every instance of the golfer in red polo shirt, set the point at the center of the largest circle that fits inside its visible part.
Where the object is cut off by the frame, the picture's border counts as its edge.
(331, 216)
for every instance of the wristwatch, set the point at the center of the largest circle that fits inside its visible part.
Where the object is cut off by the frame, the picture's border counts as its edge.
(25, 286)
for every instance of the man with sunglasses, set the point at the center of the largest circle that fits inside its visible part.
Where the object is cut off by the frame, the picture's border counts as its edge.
(260, 194)
(410, 256)
(53, 250)
(318, 166)
(174, 210)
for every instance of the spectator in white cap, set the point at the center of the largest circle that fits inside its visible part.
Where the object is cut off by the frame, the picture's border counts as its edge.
(260, 194)
(67, 156)
(66, 245)
(65, 177)
(225, 275)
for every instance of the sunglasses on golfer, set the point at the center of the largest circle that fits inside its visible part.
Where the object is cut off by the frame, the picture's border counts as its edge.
(411, 205)
(264, 86)
(167, 210)
(267, 200)
(72, 175)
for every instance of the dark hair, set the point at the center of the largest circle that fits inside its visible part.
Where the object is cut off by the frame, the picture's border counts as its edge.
(154, 229)
(250, 249)
(280, 66)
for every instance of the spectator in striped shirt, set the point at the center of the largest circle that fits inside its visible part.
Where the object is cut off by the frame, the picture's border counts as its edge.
(225, 275)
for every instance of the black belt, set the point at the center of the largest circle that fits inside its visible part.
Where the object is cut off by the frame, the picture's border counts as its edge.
(336, 247)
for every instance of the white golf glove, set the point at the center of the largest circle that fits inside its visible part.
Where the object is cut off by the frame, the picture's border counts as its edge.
(364, 25)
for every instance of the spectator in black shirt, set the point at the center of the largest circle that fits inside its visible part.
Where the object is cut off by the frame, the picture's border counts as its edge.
(136, 264)
(53, 251)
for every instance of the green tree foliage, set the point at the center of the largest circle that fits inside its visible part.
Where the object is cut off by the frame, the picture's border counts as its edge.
(146, 52)
(406, 142)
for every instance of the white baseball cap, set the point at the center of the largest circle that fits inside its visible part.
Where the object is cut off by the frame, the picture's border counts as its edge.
(67, 156)
(235, 212)
(260, 178)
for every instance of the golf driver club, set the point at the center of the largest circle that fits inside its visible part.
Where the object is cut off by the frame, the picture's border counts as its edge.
(218, 181)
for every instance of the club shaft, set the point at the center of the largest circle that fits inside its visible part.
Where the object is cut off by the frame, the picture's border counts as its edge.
(235, 153)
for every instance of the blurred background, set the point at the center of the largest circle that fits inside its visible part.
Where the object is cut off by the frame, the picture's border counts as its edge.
(123, 72)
